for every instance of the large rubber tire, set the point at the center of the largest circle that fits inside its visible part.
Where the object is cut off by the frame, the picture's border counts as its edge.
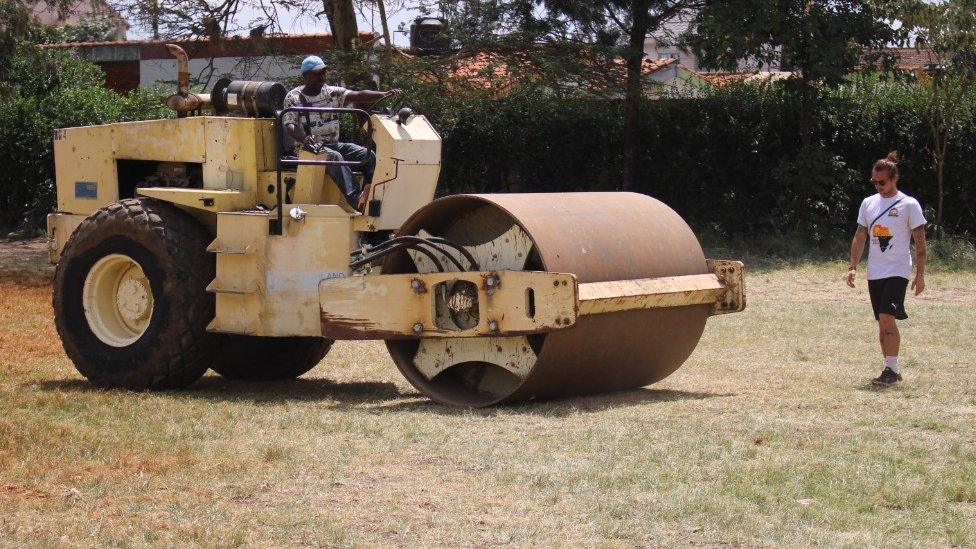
(171, 249)
(252, 358)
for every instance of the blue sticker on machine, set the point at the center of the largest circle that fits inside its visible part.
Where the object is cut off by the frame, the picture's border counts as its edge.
(86, 189)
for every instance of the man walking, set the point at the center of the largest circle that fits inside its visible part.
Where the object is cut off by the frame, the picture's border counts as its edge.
(891, 219)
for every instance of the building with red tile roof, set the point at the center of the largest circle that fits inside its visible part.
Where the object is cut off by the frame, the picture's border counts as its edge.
(129, 64)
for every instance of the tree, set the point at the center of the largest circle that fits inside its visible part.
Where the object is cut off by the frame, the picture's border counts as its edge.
(342, 21)
(42, 89)
(217, 19)
(169, 19)
(627, 24)
(948, 29)
(820, 41)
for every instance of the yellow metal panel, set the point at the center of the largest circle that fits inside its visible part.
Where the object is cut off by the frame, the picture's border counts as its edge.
(85, 169)
(225, 165)
(203, 199)
(268, 285)
(236, 149)
(267, 144)
(416, 141)
(436, 354)
(404, 305)
(413, 189)
(309, 251)
(59, 229)
(648, 293)
(266, 185)
(175, 140)
(408, 159)
(724, 289)
(313, 185)
(238, 314)
(239, 287)
(309, 181)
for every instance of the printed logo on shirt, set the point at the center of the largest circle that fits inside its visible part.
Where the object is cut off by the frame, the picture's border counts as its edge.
(883, 234)
(893, 212)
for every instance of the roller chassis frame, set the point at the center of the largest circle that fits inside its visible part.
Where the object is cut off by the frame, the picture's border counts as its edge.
(559, 299)
(281, 275)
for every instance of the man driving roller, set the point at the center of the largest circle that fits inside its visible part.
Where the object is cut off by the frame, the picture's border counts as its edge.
(320, 132)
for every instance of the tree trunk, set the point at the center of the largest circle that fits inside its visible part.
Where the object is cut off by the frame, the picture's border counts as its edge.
(635, 60)
(808, 106)
(940, 136)
(154, 19)
(939, 171)
(386, 26)
(342, 22)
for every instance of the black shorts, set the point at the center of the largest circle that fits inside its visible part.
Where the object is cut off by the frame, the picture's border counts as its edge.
(888, 296)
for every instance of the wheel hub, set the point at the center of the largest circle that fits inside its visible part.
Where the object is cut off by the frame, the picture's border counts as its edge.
(133, 299)
(117, 300)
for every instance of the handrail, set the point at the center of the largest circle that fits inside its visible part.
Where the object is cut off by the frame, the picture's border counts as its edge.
(275, 225)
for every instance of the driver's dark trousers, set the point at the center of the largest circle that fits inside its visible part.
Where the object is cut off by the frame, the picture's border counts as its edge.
(343, 175)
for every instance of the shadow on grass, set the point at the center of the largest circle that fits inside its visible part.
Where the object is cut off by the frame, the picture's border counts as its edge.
(870, 387)
(384, 397)
(561, 407)
(218, 389)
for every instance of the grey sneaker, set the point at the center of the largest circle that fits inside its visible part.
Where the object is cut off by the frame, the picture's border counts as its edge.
(888, 377)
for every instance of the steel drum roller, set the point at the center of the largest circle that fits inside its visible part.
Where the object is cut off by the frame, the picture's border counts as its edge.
(596, 236)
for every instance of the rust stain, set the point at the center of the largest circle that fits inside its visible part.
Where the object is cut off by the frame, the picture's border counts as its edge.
(338, 327)
(23, 492)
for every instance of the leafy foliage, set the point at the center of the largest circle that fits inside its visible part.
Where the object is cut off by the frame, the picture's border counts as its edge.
(49, 89)
(948, 30)
(85, 31)
(728, 162)
(820, 41)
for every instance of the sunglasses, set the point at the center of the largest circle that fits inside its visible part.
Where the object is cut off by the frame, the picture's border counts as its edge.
(878, 182)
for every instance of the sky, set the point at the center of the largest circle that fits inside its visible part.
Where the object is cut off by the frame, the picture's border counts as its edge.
(398, 12)
(369, 20)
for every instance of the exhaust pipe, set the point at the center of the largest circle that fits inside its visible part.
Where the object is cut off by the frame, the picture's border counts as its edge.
(183, 101)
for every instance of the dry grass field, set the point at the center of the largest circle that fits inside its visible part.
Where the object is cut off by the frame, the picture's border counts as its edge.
(769, 435)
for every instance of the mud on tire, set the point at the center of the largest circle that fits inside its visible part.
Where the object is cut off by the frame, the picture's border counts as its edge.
(170, 247)
(252, 358)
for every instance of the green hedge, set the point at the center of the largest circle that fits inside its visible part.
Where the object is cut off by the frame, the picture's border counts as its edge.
(51, 89)
(730, 163)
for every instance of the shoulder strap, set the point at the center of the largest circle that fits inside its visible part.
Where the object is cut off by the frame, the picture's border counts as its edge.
(308, 121)
(895, 203)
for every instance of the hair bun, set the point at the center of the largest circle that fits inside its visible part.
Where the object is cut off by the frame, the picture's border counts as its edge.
(893, 156)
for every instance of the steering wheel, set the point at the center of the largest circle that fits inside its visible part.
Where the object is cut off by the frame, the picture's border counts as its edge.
(392, 108)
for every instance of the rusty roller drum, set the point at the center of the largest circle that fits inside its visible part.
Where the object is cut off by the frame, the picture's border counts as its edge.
(596, 236)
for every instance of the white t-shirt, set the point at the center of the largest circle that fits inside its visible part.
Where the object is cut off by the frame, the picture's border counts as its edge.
(325, 127)
(890, 252)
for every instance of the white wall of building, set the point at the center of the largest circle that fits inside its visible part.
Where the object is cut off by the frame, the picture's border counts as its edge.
(282, 69)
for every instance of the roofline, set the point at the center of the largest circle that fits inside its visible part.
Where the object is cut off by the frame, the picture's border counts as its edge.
(201, 41)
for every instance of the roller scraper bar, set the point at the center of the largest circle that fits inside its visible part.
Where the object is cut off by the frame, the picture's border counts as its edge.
(506, 303)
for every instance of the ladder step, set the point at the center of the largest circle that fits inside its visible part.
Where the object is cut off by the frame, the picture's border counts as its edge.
(218, 248)
(213, 327)
(217, 288)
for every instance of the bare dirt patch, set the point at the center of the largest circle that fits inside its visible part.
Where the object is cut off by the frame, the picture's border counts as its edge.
(24, 255)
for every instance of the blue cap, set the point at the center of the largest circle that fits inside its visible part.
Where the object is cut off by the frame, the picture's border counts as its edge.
(312, 63)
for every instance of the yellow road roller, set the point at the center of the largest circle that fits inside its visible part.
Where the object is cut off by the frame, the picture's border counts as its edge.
(194, 243)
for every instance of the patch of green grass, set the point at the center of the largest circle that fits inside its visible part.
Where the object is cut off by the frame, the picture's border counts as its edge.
(786, 250)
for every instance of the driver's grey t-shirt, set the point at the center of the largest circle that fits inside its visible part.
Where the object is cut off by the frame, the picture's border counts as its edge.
(325, 127)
